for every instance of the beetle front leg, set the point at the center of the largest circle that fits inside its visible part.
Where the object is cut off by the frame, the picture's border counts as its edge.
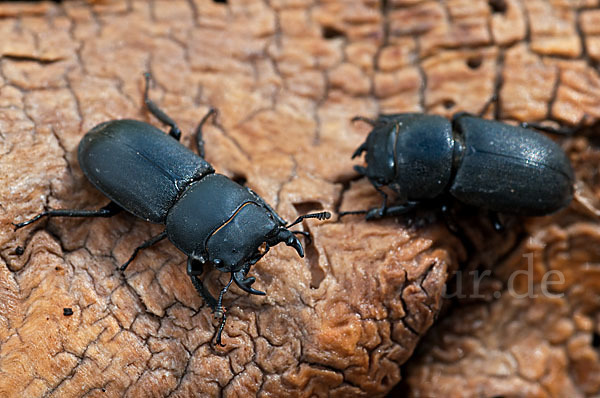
(215, 306)
(194, 268)
(360, 170)
(359, 151)
(376, 212)
(381, 211)
(158, 113)
(244, 283)
(392, 211)
(367, 120)
(221, 313)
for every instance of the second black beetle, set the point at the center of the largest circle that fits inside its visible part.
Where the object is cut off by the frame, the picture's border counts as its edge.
(210, 218)
(483, 163)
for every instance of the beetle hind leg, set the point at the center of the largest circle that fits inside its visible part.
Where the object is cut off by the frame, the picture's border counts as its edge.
(563, 130)
(109, 210)
(145, 245)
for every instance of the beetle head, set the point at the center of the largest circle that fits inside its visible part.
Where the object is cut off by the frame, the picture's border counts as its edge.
(286, 236)
(249, 234)
(243, 239)
(379, 148)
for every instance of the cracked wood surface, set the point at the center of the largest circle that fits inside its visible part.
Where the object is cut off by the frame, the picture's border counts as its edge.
(534, 330)
(287, 76)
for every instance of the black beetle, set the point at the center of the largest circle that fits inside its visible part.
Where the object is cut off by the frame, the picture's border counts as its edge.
(209, 217)
(483, 163)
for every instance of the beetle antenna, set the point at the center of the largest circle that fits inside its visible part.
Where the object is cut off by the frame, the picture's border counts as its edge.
(324, 215)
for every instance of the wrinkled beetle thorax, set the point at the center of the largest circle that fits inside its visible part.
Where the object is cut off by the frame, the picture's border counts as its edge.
(422, 150)
(206, 226)
(231, 231)
(242, 238)
(380, 153)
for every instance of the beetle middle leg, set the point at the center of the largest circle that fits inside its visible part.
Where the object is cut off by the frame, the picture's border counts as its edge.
(145, 245)
(158, 113)
(449, 219)
(376, 212)
(381, 211)
(496, 221)
(395, 210)
(199, 139)
(109, 210)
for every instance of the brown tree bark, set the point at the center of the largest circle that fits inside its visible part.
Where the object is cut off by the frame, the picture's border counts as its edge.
(287, 76)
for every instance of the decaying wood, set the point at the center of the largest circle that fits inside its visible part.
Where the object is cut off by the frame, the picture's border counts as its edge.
(287, 76)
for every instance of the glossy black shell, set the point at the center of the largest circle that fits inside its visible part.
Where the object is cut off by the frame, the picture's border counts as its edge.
(139, 167)
(481, 162)
(411, 152)
(151, 175)
(510, 169)
(204, 224)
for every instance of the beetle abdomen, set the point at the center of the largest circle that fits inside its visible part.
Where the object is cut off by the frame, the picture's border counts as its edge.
(139, 167)
(511, 169)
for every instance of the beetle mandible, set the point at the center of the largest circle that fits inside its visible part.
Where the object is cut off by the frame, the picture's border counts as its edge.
(483, 163)
(209, 217)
